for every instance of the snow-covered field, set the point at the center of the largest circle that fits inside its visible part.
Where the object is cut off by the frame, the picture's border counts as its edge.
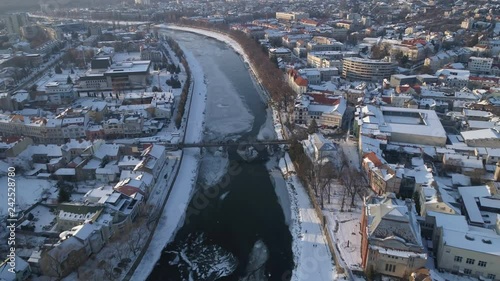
(28, 192)
(175, 209)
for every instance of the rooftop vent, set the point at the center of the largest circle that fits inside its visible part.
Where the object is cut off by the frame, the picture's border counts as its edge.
(469, 237)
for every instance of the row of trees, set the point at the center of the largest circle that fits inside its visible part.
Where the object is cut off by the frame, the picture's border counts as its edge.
(185, 90)
(322, 175)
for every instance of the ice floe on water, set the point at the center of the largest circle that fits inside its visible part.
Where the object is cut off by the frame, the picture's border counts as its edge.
(255, 270)
(198, 260)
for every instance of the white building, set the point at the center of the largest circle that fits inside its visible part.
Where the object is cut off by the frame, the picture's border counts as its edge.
(327, 110)
(480, 65)
(406, 125)
(318, 147)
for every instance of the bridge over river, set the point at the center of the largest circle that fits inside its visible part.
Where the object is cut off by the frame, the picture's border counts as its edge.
(229, 143)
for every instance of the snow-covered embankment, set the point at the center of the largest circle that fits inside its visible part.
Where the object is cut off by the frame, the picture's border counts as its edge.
(174, 212)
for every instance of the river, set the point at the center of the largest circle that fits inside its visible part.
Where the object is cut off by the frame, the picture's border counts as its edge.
(236, 229)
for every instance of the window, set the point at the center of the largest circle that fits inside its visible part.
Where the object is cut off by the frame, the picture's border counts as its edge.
(491, 276)
(470, 261)
(467, 271)
(458, 259)
(390, 267)
(481, 263)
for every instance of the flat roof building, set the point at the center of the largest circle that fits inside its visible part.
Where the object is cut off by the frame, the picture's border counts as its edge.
(366, 69)
(406, 125)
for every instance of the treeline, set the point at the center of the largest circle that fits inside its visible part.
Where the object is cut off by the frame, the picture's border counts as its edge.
(271, 76)
(185, 90)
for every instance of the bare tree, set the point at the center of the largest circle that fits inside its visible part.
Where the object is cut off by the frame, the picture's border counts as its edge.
(354, 184)
(321, 176)
(134, 240)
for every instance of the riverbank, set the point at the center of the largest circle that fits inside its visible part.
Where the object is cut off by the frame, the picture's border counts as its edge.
(175, 209)
(313, 260)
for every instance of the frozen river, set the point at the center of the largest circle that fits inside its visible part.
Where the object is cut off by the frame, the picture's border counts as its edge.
(234, 230)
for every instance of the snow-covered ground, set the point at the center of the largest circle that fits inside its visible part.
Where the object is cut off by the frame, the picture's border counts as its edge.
(351, 153)
(28, 192)
(175, 208)
(43, 218)
(221, 37)
(312, 257)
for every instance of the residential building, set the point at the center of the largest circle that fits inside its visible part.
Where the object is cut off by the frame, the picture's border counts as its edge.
(480, 65)
(318, 147)
(280, 53)
(326, 109)
(154, 158)
(366, 69)
(296, 81)
(292, 16)
(21, 271)
(482, 138)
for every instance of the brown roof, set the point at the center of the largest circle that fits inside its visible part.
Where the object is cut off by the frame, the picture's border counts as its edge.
(324, 99)
(129, 190)
(301, 81)
(373, 158)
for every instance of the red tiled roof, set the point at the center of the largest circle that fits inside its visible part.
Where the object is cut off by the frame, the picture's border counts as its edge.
(128, 190)
(301, 81)
(373, 158)
(309, 21)
(475, 78)
(320, 98)
(11, 139)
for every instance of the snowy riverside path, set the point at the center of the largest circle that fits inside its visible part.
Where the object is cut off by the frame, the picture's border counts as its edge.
(312, 256)
(175, 208)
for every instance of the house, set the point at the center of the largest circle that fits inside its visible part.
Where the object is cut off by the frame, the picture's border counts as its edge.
(21, 270)
(386, 178)
(153, 160)
(391, 243)
(108, 173)
(318, 147)
(297, 82)
(471, 166)
(61, 259)
(13, 146)
(124, 209)
(326, 109)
